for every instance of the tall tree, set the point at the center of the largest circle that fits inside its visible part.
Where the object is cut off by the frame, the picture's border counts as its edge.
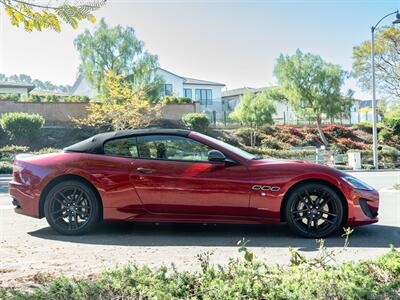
(387, 62)
(40, 85)
(117, 49)
(312, 87)
(255, 110)
(34, 15)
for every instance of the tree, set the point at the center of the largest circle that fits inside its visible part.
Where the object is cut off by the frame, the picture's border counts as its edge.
(40, 85)
(255, 110)
(121, 108)
(387, 62)
(117, 49)
(312, 87)
(34, 15)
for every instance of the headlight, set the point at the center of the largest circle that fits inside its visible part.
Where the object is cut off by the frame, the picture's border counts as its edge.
(357, 184)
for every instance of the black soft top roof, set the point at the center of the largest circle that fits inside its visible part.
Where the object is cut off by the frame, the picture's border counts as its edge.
(95, 143)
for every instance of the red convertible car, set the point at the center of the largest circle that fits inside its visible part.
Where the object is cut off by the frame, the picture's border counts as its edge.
(171, 175)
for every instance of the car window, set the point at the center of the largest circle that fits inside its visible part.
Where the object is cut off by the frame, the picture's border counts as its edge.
(121, 147)
(171, 148)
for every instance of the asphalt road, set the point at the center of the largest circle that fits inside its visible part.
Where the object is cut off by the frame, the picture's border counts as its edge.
(29, 246)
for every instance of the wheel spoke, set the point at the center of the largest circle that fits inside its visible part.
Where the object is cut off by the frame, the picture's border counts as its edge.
(327, 220)
(300, 211)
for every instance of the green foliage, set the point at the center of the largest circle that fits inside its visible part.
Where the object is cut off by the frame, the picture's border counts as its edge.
(57, 99)
(392, 119)
(21, 127)
(5, 168)
(312, 87)
(246, 278)
(39, 85)
(175, 100)
(255, 109)
(196, 121)
(386, 134)
(10, 97)
(271, 142)
(117, 49)
(367, 126)
(397, 186)
(38, 16)
(387, 56)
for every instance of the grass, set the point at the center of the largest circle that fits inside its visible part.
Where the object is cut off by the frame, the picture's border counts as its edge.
(240, 279)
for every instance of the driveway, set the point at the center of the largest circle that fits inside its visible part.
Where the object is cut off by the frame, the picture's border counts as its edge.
(29, 246)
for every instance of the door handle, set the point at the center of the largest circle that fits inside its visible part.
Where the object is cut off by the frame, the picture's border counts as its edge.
(145, 170)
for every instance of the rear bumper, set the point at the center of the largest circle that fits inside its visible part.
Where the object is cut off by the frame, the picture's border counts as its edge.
(363, 207)
(25, 200)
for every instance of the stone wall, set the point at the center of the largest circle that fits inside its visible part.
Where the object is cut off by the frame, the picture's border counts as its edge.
(60, 112)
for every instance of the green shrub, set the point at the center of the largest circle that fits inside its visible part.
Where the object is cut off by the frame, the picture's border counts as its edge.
(5, 168)
(196, 121)
(33, 98)
(271, 142)
(166, 123)
(9, 152)
(10, 97)
(175, 100)
(386, 134)
(22, 128)
(50, 98)
(245, 278)
(392, 119)
(367, 126)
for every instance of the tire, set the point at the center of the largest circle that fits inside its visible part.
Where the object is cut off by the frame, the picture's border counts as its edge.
(72, 208)
(314, 210)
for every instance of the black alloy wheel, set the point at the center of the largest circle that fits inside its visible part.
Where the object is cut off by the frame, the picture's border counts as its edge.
(314, 210)
(71, 208)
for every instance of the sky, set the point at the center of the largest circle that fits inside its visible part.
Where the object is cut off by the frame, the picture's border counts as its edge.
(233, 42)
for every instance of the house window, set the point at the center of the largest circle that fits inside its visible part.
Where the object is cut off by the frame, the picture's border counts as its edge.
(168, 89)
(187, 93)
(204, 96)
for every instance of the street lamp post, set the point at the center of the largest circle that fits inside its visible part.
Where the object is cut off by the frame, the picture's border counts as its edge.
(374, 114)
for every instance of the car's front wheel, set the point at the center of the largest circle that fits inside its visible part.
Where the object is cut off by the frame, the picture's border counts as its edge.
(314, 210)
(71, 207)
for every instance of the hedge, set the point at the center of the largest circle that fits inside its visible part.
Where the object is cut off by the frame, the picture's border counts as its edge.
(21, 127)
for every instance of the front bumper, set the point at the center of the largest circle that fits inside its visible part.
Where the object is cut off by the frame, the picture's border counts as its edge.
(363, 207)
(25, 200)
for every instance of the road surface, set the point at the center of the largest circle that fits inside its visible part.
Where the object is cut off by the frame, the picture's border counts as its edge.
(29, 246)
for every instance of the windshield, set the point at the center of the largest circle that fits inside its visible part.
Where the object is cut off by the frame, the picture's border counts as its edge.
(231, 148)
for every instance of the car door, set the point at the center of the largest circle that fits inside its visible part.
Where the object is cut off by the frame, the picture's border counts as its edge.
(173, 175)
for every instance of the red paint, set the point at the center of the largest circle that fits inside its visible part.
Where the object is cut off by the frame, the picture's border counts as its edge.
(180, 191)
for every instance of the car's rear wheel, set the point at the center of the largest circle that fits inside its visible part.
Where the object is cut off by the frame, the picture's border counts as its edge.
(314, 210)
(71, 207)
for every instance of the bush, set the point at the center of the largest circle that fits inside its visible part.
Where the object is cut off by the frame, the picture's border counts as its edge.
(33, 98)
(244, 278)
(22, 128)
(9, 152)
(5, 168)
(392, 120)
(367, 126)
(337, 131)
(386, 134)
(271, 142)
(166, 123)
(175, 100)
(310, 139)
(196, 121)
(10, 97)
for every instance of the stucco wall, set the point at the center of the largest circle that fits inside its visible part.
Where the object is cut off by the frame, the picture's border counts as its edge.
(55, 113)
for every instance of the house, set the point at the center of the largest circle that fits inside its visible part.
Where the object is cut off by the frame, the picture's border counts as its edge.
(15, 88)
(231, 98)
(207, 93)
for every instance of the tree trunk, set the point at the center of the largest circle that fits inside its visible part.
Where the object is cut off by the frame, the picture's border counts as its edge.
(321, 132)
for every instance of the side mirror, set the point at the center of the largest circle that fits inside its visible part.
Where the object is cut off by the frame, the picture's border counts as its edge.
(216, 156)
